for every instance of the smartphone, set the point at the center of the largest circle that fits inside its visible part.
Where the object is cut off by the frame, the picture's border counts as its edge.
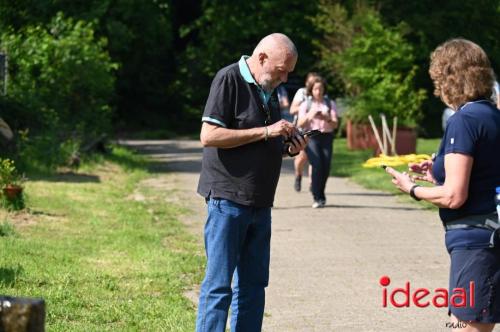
(311, 133)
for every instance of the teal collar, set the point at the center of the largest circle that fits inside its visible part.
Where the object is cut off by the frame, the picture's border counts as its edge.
(247, 75)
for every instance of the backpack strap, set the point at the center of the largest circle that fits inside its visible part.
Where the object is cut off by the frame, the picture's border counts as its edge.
(309, 103)
(327, 102)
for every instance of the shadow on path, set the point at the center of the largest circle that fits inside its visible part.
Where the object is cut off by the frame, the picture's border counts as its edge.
(169, 155)
(344, 206)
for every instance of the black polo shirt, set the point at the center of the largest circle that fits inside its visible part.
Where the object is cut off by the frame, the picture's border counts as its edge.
(247, 174)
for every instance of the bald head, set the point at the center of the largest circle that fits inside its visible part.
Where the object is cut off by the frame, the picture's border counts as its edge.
(276, 43)
(272, 60)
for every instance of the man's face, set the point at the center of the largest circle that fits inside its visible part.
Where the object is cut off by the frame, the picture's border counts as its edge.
(275, 70)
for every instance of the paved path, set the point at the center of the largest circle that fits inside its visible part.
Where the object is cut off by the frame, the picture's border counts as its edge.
(326, 263)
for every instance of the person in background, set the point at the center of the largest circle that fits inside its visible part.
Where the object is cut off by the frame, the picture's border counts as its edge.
(464, 175)
(284, 103)
(301, 160)
(318, 112)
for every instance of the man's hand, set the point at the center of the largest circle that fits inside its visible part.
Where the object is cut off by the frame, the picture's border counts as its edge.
(281, 128)
(297, 144)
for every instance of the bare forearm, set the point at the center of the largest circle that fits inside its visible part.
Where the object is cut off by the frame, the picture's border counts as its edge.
(439, 196)
(454, 191)
(230, 138)
(294, 108)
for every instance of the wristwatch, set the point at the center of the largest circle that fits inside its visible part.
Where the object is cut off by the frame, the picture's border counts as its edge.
(412, 192)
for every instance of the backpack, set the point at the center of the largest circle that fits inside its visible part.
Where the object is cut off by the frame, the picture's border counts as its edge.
(326, 101)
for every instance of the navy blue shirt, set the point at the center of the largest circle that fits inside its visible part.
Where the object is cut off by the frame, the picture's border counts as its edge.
(474, 130)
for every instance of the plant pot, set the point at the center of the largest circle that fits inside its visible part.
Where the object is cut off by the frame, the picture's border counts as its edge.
(12, 192)
(360, 137)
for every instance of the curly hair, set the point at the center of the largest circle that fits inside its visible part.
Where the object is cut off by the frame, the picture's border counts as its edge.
(461, 72)
(310, 85)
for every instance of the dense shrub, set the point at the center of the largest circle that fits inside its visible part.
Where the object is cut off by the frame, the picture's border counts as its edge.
(375, 63)
(61, 82)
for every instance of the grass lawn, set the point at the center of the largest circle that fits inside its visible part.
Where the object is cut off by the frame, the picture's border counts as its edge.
(104, 251)
(348, 163)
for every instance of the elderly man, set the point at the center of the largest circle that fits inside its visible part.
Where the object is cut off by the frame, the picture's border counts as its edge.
(243, 139)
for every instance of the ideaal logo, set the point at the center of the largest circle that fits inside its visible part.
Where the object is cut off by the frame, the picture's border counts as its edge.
(423, 297)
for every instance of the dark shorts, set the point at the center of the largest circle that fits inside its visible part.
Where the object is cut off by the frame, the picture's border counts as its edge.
(482, 267)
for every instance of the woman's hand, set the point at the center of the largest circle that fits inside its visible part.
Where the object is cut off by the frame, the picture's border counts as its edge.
(312, 114)
(423, 171)
(401, 180)
(325, 116)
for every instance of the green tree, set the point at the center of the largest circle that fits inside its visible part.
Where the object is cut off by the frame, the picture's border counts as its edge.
(227, 30)
(61, 83)
(432, 23)
(374, 62)
(140, 39)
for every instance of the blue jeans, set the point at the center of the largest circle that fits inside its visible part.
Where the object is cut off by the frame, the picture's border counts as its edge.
(237, 244)
(319, 153)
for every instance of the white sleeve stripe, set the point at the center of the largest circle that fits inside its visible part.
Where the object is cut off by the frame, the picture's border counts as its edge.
(214, 121)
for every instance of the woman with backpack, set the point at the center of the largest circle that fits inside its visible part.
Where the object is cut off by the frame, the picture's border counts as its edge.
(319, 112)
(301, 160)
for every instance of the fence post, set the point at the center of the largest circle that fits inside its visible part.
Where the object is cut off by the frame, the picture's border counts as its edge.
(22, 314)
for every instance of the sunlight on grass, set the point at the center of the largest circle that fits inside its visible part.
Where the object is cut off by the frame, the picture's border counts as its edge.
(102, 260)
(347, 163)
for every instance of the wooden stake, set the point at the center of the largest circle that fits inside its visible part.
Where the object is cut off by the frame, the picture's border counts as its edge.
(394, 131)
(386, 132)
(377, 136)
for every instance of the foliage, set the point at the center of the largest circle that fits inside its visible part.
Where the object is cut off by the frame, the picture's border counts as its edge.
(221, 35)
(140, 39)
(10, 177)
(60, 84)
(168, 51)
(9, 174)
(374, 62)
(432, 23)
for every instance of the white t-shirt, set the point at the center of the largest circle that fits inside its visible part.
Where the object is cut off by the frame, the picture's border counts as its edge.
(300, 95)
